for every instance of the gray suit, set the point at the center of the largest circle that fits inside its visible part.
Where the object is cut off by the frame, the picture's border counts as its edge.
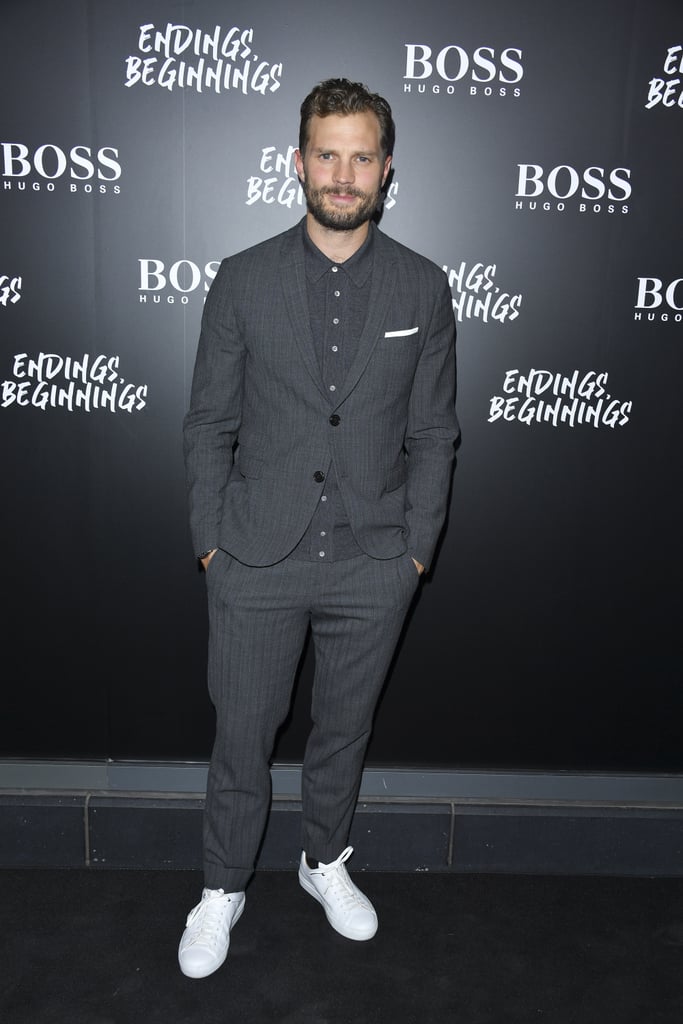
(261, 436)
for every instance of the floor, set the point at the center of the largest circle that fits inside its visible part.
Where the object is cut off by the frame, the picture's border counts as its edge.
(99, 947)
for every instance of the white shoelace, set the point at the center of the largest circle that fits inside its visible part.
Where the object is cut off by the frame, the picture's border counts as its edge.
(207, 918)
(339, 885)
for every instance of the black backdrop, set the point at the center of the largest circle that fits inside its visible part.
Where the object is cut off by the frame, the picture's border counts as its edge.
(538, 161)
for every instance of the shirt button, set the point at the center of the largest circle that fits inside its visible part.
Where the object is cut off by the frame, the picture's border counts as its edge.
(335, 420)
(324, 497)
(336, 320)
(322, 554)
(337, 294)
(335, 269)
(333, 387)
(323, 533)
(335, 348)
(318, 476)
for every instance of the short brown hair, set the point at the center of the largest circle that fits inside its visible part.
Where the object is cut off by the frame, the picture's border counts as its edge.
(340, 96)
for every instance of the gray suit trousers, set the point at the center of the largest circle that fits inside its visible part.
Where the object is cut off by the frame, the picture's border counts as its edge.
(258, 621)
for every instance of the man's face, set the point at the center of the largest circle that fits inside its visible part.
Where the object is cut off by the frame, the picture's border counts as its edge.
(342, 171)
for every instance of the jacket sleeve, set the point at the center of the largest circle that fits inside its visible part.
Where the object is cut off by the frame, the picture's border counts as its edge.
(432, 430)
(212, 423)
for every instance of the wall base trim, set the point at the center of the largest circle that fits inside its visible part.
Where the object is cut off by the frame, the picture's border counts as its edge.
(559, 787)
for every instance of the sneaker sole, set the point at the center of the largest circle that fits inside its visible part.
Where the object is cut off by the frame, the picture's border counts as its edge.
(348, 933)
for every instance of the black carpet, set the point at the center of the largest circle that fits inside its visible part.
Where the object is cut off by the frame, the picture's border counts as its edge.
(99, 947)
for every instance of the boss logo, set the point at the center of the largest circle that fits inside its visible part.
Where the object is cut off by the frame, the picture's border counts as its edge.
(564, 182)
(183, 276)
(655, 294)
(51, 162)
(453, 63)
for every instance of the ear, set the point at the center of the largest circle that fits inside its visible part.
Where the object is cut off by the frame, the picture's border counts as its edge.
(299, 165)
(387, 168)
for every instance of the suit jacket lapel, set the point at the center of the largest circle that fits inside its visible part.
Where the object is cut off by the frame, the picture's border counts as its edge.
(380, 302)
(296, 301)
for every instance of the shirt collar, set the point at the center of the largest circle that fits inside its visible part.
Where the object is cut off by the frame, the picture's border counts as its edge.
(358, 266)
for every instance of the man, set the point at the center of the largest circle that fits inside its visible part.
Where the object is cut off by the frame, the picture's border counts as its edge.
(319, 448)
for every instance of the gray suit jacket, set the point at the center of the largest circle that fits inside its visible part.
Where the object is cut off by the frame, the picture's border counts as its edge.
(262, 431)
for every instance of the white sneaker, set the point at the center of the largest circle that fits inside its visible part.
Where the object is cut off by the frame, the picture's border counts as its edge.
(204, 945)
(349, 912)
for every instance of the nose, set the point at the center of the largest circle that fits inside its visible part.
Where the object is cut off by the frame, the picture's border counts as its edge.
(344, 174)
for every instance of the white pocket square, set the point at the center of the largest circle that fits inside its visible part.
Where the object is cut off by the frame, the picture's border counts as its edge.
(401, 334)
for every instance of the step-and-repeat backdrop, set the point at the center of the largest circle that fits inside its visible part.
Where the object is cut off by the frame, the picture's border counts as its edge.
(539, 161)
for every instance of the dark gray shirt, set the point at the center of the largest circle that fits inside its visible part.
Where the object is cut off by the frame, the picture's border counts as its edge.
(338, 298)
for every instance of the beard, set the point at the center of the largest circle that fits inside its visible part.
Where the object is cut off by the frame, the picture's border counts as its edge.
(341, 219)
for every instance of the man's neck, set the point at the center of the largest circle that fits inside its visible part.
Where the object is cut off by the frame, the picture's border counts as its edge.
(336, 245)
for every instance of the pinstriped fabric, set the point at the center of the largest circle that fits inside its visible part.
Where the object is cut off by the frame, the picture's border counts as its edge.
(259, 618)
(260, 438)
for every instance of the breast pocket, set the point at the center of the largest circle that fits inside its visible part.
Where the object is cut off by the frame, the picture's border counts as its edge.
(402, 332)
(398, 353)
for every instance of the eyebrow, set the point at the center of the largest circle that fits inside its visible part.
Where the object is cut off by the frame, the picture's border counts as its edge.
(358, 152)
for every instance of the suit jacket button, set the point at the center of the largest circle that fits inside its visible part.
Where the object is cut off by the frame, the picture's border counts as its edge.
(318, 476)
(335, 420)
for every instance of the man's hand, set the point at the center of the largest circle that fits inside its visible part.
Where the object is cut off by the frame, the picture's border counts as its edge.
(420, 568)
(205, 561)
